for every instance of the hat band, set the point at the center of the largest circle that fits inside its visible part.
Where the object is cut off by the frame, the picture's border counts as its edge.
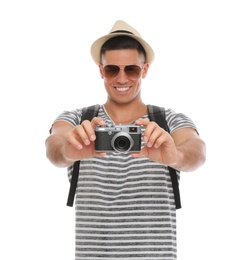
(122, 31)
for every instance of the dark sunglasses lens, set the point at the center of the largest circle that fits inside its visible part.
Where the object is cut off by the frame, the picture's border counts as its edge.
(133, 71)
(111, 71)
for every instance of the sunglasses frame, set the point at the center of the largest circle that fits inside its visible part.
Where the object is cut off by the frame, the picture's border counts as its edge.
(123, 68)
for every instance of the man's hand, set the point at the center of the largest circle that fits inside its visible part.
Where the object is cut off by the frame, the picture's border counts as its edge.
(183, 150)
(160, 146)
(67, 144)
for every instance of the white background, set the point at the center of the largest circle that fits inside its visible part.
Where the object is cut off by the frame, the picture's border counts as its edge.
(201, 69)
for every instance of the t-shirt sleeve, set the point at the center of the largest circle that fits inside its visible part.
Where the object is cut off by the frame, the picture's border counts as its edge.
(72, 117)
(178, 120)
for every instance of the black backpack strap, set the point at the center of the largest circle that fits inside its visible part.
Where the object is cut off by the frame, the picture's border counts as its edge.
(157, 114)
(87, 114)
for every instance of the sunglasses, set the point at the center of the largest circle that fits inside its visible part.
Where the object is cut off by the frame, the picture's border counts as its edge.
(131, 71)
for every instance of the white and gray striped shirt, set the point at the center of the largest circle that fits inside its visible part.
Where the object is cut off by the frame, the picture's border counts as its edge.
(125, 206)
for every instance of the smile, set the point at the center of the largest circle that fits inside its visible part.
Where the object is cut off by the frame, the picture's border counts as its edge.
(122, 89)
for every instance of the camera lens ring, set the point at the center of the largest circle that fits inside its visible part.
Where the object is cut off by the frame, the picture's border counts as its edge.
(122, 142)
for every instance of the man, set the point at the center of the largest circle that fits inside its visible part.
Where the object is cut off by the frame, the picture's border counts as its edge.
(124, 201)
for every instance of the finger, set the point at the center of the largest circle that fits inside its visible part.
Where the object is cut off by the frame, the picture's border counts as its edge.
(142, 153)
(97, 121)
(88, 128)
(137, 154)
(73, 141)
(142, 121)
(152, 131)
(83, 132)
(101, 154)
(86, 132)
(160, 140)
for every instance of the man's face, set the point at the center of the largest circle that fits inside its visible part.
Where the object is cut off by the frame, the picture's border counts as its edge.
(122, 71)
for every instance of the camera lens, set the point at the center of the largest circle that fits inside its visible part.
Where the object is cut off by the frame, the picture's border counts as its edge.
(122, 142)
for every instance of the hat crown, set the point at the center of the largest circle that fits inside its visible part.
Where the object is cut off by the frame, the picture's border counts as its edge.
(122, 27)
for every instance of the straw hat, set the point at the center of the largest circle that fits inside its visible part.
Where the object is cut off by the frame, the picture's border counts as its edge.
(121, 28)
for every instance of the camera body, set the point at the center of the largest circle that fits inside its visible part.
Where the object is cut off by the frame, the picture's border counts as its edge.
(119, 138)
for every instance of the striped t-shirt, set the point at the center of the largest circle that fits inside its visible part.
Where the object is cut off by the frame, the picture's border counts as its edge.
(125, 206)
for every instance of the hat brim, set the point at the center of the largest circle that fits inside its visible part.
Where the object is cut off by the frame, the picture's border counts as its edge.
(96, 46)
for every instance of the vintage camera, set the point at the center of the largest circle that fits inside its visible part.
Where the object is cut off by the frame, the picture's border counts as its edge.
(119, 138)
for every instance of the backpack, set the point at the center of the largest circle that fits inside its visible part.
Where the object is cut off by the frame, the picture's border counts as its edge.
(156, 114)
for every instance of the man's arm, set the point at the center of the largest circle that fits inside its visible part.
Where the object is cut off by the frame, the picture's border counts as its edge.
(191, 150)
(184, 150)
(68, 144)
(55, 144)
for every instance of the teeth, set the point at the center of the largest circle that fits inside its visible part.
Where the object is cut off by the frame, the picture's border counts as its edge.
(123, 89)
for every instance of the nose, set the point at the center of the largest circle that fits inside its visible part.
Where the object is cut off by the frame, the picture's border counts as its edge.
(122, 77)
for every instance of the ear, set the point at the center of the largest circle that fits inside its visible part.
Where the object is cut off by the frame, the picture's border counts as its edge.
(145, 70)
(101, 70)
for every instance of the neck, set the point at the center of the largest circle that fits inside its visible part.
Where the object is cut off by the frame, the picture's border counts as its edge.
(125, 113)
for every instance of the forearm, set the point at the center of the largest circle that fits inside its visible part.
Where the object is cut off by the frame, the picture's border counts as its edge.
(191, 154)
(54, 151)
